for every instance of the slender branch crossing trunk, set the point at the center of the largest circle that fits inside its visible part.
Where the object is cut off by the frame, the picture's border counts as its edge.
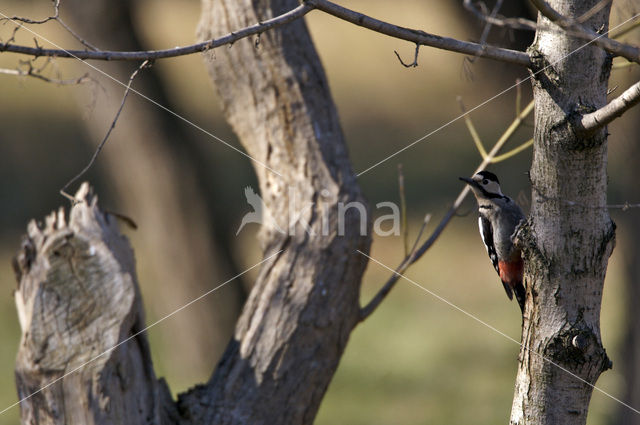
(569, 236)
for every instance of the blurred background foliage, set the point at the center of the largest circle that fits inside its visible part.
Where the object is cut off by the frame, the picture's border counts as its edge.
(416, 360)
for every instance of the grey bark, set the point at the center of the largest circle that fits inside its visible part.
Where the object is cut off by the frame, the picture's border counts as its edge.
(78, 297)
(569, 235)
(297, 320)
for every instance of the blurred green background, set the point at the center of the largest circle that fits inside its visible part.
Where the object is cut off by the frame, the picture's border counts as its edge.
(416, 360)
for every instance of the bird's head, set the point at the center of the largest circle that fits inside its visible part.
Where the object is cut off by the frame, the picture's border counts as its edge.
(485, 185)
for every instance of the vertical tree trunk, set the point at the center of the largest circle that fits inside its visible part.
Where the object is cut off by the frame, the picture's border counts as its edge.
(569, 236)
(299, 315)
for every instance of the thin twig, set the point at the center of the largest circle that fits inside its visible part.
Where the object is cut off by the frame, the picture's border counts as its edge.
(487, 26)
(258, 28)
(54, 17)
(480, 146)
(518, 96)
(416, 254)
(56, 13)
(76, 35)
(415, 58)
(403, 210)
(593, 11)
(38, 72)
(425, 223)
(512, 152)
(63, 192)
(472, 130)
(31, 73)
(500, 21)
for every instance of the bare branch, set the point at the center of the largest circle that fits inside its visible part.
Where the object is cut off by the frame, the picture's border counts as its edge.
(421, 37)
(63, 192)
(258, 28)
(56, 10)
(416, 254)
(614, 109)
(632, 53)
(416, 36)
(499, 20)
(593, 11)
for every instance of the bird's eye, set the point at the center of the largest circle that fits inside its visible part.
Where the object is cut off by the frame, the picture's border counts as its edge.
(485, 182)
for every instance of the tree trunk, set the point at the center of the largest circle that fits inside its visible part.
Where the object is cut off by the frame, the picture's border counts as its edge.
(297, 320)
(569, 235)
(77, 297)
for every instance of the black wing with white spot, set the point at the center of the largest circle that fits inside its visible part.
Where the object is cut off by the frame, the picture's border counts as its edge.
(486, 232)
(487, 238)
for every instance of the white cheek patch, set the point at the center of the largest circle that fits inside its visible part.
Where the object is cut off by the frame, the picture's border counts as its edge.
(493, 187)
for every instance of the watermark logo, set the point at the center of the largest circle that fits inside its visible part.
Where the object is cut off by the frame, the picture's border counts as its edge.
(260, 213)
(327, 222)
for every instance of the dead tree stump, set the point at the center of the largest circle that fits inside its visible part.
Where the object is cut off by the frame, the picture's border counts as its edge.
(78, 298)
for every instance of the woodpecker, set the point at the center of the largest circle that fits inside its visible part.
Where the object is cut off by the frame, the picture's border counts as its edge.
(499, 217)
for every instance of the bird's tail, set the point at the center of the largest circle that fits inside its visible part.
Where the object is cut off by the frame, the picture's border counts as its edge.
(521, 295)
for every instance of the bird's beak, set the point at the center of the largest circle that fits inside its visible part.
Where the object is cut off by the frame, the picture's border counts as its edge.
(469, 181)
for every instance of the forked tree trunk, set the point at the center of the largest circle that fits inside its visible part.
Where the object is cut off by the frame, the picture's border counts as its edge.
(569, 236)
